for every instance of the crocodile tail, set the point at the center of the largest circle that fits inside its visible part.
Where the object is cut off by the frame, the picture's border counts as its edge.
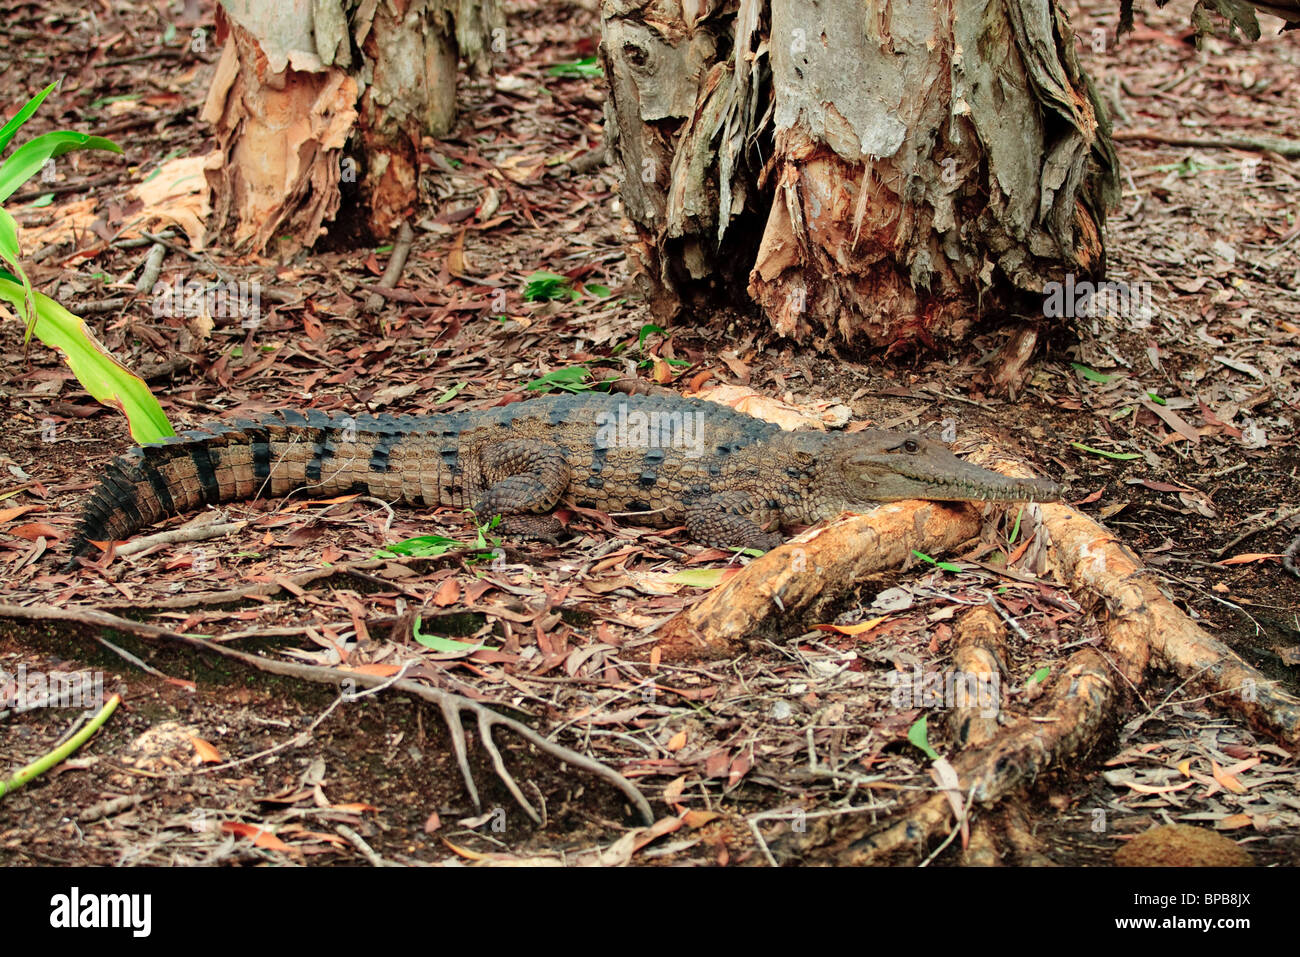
(220, 462)
(160, 479)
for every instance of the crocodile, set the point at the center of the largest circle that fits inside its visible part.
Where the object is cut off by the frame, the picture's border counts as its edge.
(731, 479)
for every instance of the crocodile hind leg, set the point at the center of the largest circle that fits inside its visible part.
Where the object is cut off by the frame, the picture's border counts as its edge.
(521, 481)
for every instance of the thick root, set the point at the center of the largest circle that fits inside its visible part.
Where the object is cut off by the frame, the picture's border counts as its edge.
(1074, 713)
(788, 586)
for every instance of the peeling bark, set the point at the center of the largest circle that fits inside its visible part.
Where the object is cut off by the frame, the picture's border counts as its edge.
(311, 94)
(910, 166)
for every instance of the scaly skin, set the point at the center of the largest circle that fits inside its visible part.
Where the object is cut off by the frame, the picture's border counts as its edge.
(731, 479)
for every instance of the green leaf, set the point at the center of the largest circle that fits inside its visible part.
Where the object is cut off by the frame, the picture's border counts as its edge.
(40, 202)
(1156, 399)
(648, 330)
(12, 255)
(586, 67)
(1092, 375)
(103, 101)
(25, 161)
(946, 566)
(1120, 456)
(1039, 676)
(451, 393)
(919, 736)
(61, 753)
(543, 286)
(22, 116)
(697, 577)
(446, 646)
(1190, 167)
(570, 379)
(422, 546)
(99, 373)
(600, 292)
(1015, 529)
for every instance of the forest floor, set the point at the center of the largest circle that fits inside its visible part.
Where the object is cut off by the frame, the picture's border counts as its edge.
(1192, 404)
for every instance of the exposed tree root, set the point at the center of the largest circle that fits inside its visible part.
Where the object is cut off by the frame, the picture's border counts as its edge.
(979, 656)
(1069, 720)
(1004, 834)
(1140, 616)
(790, 584)
(451, 705)
(1140, 619)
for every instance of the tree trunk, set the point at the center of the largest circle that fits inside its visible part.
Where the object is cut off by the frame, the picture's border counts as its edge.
(312, 97)
(876, 173)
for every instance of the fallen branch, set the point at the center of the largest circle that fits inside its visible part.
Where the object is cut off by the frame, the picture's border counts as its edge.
(396, 263)
(61, 753)
(451, 705)
(1259, 144)
(197, 533)
(281, 583)
(1282, 516)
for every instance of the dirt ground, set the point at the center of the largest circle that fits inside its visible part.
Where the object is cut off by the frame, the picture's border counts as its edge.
(210, 761)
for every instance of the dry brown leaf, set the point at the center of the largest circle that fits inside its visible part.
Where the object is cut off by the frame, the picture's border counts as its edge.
(175, 194)
(448, 593)
(859, 629)
(259, 836)
(36, 530)
(695, 819)
(207, 753)
(1248, 558)
(819, 415)
(673, 790)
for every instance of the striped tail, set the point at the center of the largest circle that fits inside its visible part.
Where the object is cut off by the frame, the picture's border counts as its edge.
(246, 459)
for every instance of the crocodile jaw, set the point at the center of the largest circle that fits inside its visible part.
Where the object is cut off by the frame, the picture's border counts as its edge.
(890, 467)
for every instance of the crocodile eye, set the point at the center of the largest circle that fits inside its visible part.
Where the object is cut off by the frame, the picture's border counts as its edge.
(910, 446)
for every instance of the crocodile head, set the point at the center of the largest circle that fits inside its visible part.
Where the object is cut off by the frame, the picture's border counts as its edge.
(879, 466)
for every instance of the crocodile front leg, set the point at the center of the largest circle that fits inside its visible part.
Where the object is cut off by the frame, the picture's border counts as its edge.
(521, 481)
(733, 519)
